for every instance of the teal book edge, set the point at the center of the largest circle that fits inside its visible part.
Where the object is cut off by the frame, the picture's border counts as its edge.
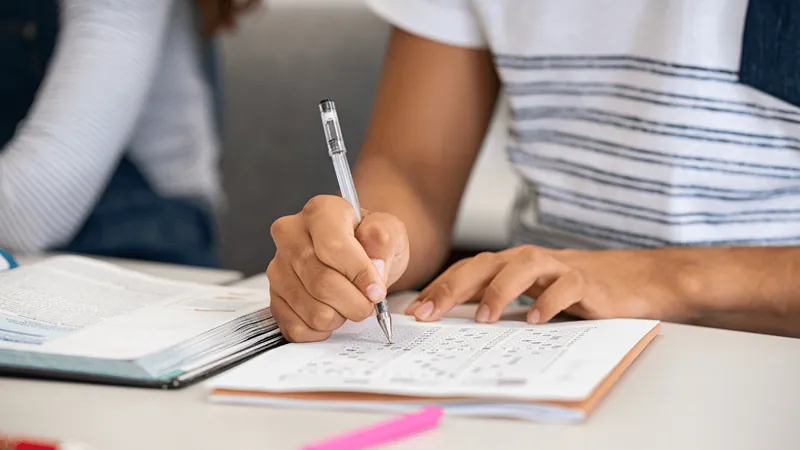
(7, 262)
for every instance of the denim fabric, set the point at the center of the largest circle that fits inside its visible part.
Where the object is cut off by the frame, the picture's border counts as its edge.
(770, 59)
(27, 30)
(130, 220)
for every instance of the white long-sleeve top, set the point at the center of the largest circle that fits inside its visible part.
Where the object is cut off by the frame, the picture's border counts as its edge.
(125, 76)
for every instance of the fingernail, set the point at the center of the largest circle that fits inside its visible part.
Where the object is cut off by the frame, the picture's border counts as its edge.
(533, 316)
(482, 316)
(376, 293)
(381, 266)
(413, 306)
(424, 311)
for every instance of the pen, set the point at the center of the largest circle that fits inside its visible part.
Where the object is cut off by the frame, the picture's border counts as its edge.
(337, 152)
(385, 432)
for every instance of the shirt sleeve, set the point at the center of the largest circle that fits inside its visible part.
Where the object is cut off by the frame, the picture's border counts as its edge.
(55, 168)
(450, 22)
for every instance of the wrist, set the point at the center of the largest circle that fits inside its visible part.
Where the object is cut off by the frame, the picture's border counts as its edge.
(685, 284)
(690, 285)
(713, 281)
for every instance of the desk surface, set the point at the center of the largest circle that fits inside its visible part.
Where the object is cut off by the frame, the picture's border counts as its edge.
(171, 271)
(693, 388)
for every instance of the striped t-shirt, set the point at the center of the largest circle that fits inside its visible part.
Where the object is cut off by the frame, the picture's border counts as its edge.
(640, 123)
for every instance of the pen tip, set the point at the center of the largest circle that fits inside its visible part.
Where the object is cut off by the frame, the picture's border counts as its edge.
(387, 329)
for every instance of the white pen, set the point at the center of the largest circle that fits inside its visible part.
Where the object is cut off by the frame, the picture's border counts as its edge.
(337, 151)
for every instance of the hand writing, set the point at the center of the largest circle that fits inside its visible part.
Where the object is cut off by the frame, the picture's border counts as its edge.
(328, 269)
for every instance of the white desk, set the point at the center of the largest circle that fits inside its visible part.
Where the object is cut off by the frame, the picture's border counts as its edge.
(171, 271)
(693, 388)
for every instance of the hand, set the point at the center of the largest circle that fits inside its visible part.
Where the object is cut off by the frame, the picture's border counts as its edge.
(327, 269)
(588, 284)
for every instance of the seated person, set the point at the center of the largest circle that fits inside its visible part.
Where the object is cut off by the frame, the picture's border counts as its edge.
(659, 147)
(108, 140)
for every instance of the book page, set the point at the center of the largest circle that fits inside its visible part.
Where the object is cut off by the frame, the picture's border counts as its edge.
(78, 306)
(162, 325)
(451, 358)
(58, 296)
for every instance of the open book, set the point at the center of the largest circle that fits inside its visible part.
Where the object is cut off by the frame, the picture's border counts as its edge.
(547, 373)
(79, 319)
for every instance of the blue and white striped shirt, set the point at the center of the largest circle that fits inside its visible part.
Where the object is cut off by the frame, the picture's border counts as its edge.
(640, 123)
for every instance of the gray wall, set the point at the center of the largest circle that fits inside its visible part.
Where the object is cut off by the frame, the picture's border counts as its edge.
(277, 67)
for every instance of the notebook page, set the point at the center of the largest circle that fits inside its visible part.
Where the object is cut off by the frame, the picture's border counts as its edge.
(564, 361)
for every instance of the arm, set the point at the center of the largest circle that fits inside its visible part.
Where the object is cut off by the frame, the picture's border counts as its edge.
(744, 288)
(56, 167)
(433, 108)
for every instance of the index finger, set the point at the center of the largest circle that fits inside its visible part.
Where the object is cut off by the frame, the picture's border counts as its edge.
(529, 267)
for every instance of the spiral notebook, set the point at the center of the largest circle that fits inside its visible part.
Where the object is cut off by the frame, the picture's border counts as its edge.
(74, 318)
(545, 373)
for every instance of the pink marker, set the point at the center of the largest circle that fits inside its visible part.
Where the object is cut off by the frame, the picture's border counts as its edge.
(383, 432)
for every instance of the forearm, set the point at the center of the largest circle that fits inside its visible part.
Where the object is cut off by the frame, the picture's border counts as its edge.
(57, 165)
(383, 187)
(433, 108)
(754, 289)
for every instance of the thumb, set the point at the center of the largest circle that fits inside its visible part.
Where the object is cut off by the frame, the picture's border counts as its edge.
(385, 241)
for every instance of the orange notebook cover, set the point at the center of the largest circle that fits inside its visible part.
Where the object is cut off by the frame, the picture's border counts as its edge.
(543, 410)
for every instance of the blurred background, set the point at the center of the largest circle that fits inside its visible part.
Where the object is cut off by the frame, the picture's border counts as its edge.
(277, 66)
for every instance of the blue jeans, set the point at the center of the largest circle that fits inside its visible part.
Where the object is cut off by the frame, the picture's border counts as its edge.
(131, 220)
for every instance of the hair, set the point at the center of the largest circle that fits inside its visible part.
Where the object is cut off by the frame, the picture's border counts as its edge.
(220, 15)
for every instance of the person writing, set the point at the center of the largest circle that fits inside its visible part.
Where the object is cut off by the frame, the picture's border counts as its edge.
(108, 141)
(661, 167)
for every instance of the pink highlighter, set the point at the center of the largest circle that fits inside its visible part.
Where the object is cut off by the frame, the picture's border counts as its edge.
(383, 432)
